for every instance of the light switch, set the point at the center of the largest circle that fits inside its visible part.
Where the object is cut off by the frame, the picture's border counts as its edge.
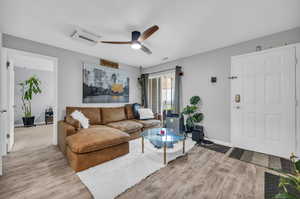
(213, 80)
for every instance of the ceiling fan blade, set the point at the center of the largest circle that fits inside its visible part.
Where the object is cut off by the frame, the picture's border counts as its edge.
(116, 42)
(147, 33)
(146, 50)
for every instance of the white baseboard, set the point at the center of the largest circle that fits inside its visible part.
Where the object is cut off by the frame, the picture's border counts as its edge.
(220, 142)
(21, 125)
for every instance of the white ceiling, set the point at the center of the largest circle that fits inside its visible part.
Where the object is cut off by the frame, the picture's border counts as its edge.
(187, 27)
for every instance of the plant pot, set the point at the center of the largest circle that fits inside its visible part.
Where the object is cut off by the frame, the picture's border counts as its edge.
(189, 128)
(28, 121)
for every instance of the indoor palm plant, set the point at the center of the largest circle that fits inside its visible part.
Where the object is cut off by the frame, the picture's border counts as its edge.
(290, 183)
(29, 88)
(192, 114)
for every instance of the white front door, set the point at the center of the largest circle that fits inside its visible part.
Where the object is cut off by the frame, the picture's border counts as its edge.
(263, 101)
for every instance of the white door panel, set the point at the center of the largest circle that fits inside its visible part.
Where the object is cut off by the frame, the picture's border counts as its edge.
(265, 119)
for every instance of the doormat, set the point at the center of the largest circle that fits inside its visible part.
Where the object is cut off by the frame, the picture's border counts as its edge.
(271, 186)
(216, 147)
(261, 159)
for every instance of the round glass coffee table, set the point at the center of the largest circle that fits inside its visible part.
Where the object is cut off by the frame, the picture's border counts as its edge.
(163, 137)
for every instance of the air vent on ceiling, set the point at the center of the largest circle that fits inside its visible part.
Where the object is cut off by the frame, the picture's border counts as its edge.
(86, 36)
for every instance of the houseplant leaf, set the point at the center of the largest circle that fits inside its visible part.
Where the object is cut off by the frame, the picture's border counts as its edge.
(189, 110)
(198, 117)
(195, 100)
(285, 196)
(297, 165)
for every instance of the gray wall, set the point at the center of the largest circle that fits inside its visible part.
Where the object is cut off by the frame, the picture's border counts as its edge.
(39, 102)
(216, 97)
(70, 72)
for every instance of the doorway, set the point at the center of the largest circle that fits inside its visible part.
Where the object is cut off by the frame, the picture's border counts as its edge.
(24, 68)
(161, 89)
(263, 101)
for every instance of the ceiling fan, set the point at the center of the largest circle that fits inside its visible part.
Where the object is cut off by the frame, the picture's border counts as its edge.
(137, 39)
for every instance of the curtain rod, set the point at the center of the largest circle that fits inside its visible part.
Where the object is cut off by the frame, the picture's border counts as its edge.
(161, 71)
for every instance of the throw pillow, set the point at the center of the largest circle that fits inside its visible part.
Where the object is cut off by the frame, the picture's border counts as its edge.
(145, 113)
(84, 121)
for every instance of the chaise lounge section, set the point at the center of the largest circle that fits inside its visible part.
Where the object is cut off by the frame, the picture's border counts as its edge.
(107, 138)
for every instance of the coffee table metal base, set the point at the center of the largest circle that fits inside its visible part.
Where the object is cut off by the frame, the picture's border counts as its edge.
(165, 148)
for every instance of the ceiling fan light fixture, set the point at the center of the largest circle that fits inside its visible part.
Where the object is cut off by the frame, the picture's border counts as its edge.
(136, 45)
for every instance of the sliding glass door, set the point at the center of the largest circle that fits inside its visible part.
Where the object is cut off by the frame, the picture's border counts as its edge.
(161, 92)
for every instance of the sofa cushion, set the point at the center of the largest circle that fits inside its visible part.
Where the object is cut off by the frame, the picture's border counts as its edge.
(129, 111)
(149, 123)
(72, 122)
(92, 113)
(128, 126)
(113, 114)
(94, 139)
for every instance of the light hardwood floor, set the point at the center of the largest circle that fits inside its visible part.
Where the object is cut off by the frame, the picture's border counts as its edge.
(202, 174)
(37, 136)
(40, 173)
(44, 173)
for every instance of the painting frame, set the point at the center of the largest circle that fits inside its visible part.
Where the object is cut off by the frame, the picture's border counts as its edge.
(104, 85)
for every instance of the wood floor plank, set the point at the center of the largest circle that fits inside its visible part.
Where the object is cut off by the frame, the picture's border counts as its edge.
(40, 173)
(203, 174)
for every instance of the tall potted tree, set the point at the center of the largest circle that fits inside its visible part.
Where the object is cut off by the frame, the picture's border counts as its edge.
(29, 88)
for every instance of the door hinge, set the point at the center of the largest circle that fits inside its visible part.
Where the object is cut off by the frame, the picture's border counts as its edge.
(233, 77)
(7, 64)
(296, 59)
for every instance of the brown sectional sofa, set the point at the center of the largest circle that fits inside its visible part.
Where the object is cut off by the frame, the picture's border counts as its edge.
(108, 136)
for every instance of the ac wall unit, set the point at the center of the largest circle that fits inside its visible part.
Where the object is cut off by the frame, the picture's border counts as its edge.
(86, 37)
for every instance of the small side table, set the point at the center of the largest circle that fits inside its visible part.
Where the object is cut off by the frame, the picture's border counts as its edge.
(49, 117)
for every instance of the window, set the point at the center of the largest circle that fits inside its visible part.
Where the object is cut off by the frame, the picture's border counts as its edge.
(161, 92)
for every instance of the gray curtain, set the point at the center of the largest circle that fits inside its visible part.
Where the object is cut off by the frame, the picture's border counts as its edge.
(144, 84)
(178, 89)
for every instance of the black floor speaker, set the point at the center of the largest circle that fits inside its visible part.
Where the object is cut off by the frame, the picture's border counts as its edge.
(198, 133)
(198, 136)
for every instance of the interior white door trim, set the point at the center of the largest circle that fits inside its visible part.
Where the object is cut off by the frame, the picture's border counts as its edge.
(3, 101)
(3, 110)
(11, 102)
(10, 53)
(297, 46)
(297, 88)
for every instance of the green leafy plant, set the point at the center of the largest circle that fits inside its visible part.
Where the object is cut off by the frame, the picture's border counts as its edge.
(29, 88)
(191, 111)
(291, 181)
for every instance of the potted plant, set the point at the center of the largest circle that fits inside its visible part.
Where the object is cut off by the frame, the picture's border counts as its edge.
(290, 183)
(29, 88)
(192, 114)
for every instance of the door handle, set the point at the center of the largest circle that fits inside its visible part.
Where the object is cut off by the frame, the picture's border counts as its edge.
(3, 111)
(237, 107)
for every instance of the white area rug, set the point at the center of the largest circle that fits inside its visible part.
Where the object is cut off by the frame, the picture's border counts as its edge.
(110, 179)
